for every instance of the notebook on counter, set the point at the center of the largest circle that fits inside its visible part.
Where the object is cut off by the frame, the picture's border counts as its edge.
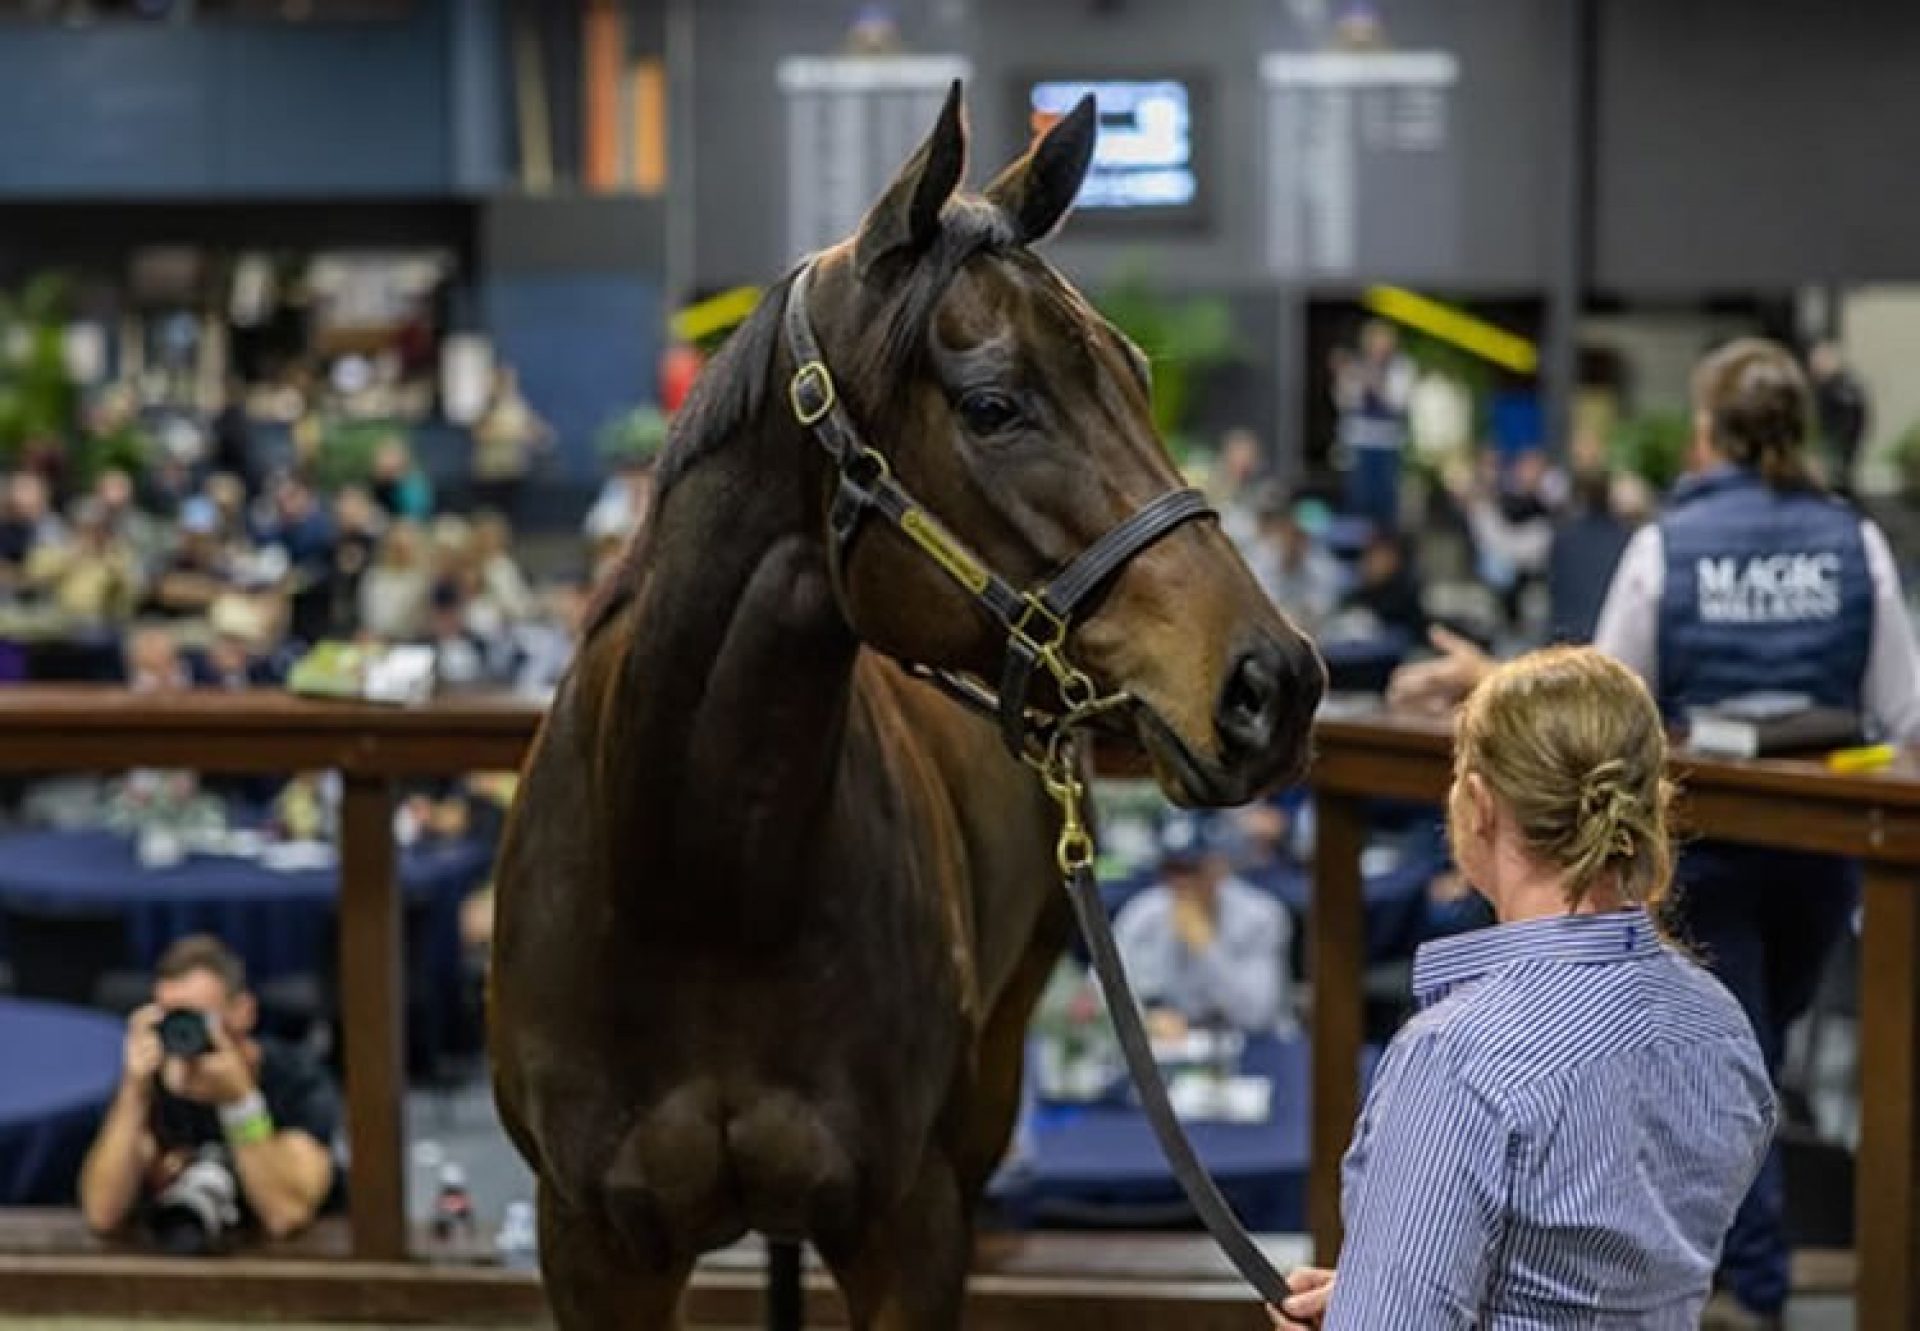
(1770, 725)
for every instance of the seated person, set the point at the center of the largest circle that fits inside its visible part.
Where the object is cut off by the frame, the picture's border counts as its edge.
(27, 522)
(154, 663)
(262, 1111)
(1387, 590)
(94, 575)
(196, 574)
(1202, 947)
(1296, 571)
(241, 654)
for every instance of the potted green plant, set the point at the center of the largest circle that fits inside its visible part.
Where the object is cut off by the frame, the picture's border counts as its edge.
(345, 456)
(1653, 445)
(38, 398)
(1183, 338)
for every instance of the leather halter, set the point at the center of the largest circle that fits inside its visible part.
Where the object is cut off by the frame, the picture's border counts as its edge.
(1036, 620)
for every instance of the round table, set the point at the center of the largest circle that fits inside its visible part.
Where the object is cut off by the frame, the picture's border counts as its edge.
(281, 922)
(1087, 1163)
(62, 1065)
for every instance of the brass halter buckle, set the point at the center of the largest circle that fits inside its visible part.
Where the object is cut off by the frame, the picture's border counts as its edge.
(813, 374)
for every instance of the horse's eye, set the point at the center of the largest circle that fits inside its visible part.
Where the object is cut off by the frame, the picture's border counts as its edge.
(987, 412)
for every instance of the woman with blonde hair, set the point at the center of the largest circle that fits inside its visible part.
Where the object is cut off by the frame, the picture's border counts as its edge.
(393, 593)
(1755, 579)
(1562, 1134)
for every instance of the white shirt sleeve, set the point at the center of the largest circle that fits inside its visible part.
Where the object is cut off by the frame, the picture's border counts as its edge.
(1891, 690)
(1629, 627)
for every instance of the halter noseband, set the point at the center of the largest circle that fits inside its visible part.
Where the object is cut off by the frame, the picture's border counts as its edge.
(1036, 620)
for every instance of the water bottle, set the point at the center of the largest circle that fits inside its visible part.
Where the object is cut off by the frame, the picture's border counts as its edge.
(518, 1242)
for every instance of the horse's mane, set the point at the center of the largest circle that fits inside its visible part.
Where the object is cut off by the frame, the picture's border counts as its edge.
(732, 389)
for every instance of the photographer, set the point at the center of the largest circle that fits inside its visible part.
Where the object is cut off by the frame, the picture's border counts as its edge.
(211, 1128)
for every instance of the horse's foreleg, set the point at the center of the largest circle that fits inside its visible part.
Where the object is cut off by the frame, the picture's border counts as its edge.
(993, 1105)
(909, 1271)
(596, 1282)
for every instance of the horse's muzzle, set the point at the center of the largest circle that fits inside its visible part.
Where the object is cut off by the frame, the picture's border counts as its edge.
(1263, 723)
(1268, 701)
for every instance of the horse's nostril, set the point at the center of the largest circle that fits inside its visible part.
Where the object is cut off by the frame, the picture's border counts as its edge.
(1245, 717)
(1250, 691)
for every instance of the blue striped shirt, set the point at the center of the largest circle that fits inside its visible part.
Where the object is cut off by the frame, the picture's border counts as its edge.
(1559, 1138)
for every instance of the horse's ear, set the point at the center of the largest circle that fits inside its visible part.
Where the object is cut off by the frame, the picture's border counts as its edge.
(907, 218)
(1036, 191)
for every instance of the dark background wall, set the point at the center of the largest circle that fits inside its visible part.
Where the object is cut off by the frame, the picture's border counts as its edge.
(1739, 144)
(1502, 126)
(1500, 117)
(250, 109)
(1756, 143)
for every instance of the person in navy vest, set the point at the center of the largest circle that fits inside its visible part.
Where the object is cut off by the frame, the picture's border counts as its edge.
(1758, 579)
(1754, 579)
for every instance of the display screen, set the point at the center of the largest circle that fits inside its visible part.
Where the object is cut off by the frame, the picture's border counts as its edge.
(1147, 161)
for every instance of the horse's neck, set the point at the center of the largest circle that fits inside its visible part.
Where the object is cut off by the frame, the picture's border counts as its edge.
(740, 673)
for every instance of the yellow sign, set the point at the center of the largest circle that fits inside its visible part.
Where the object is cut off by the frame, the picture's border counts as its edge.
(1455, 327)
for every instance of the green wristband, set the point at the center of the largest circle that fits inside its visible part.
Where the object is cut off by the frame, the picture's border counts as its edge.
(247, 1121)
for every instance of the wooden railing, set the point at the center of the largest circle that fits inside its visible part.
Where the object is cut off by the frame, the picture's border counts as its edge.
(53, 730)
(1795, 805)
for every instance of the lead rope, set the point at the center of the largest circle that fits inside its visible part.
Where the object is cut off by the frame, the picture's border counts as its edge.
(1060, 771)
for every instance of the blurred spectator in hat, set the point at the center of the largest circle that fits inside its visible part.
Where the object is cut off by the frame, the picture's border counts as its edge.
(1203, 947)
(506, 438)
(198, 570)
(1840, 404)
(93, 574)
(1293, 566)
(245, 630)
(399, 486)
(393, 593)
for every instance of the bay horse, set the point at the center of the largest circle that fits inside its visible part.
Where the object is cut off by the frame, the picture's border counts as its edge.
(774, 911)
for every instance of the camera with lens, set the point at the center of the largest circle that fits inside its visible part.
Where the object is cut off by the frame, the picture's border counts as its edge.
(194, 1214)
(184, 1033)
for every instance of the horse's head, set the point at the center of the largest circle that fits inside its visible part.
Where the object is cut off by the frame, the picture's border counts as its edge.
(1020, 418)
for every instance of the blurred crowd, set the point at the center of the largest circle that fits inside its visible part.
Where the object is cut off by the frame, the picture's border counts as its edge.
(211, 579)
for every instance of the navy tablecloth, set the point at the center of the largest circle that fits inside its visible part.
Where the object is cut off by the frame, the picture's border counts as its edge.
(281, 923)
(1085, 1159)
(1364, 665)
(58, 1070)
